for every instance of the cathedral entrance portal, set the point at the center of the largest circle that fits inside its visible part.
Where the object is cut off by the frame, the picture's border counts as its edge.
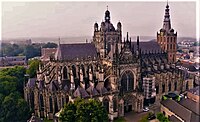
(128, 103)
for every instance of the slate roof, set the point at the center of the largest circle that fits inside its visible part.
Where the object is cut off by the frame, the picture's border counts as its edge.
(34, 119)
(178, 109)
(53, 86)
(195, 90)
(81, 92)
(174, 119)
(92, 91)
(31, 83)
(74, 51)
(191, 105)
(41, 85)
(147, 46)
(101, 89)
(47, 53)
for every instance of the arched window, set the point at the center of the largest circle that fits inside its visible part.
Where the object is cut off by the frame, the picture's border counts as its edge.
(41, 103)
(63, 101)
(55, 104)
(127, 81)
(187, 85)
(50, 105)
(65, 75)
(106, 104)
(157, 89)
(83, 69)
(175, 86)
(115, 105)
(169, 87)
(74, 70)
(32, 100)
(163, 88)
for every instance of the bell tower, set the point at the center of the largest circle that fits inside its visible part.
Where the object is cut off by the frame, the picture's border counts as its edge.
(167, 37)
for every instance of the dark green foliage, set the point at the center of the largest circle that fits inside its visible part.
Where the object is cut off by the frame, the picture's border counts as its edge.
(15, 74)
(12, 106)
(29, 51)
(161, 117)
(33, 67)
(84, 111)
(145, 117)
(196, 43)
(50, 45)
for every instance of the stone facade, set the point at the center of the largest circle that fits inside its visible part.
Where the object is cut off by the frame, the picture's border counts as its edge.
(108, 69)
(167, 37)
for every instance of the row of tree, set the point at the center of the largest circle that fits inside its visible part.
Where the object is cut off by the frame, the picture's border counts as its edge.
(29, 51)
(12, 105)
(84, 111)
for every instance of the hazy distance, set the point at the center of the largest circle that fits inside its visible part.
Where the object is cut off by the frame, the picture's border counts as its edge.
(76, 19)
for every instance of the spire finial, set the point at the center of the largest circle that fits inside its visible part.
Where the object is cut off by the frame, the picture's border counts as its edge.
(107, 7)
(167, 6)
(59, 40)
(127, 36)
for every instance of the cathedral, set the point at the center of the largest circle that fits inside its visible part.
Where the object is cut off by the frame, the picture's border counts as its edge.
(124, 75)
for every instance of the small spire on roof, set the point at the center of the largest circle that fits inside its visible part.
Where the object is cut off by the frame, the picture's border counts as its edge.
(59, 40)
(107, 7)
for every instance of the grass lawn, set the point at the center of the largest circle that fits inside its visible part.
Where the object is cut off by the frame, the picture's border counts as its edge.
(120, 119)
(46, 120)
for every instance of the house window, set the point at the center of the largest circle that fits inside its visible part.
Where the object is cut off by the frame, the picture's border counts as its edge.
(169, 87)
(163, 88)
(175, 86)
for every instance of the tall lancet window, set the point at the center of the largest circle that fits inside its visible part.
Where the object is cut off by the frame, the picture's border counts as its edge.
(127, 81)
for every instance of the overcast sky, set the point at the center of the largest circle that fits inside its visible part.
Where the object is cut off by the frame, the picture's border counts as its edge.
(69, 19)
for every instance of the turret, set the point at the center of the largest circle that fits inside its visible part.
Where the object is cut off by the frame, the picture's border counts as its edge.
(96, 27)
(119, 26)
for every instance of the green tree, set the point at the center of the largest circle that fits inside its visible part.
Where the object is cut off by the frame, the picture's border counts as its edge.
(14, 108)
(15, 74)
(50, 45)
(33, 67)
(84, 111)
(161, 117)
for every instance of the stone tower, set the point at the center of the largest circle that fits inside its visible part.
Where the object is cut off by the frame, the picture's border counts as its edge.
(167, 37)
(107, 37)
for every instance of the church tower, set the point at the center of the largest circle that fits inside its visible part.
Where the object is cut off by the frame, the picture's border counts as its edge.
(107, 37)
(167, 37)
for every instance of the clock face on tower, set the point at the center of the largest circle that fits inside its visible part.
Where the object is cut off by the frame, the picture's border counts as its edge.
(107, 18)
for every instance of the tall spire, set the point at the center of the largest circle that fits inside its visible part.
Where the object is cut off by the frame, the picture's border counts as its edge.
(107, 15)
(127, 37)
(166, 22)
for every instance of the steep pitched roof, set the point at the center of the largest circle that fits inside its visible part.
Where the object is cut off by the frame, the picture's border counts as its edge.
(81, 92)
(31, 83)
(147, 46)
(74, 51)
(191, 105)
(178, 109)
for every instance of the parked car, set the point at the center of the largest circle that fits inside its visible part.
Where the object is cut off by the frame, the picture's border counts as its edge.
(145, 109)
(151, 117)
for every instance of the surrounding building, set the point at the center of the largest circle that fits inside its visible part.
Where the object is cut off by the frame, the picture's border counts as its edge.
(167, 37)
(194, 94)
(123, 75)
(47, 54)
(184, 111)
(13, 61)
